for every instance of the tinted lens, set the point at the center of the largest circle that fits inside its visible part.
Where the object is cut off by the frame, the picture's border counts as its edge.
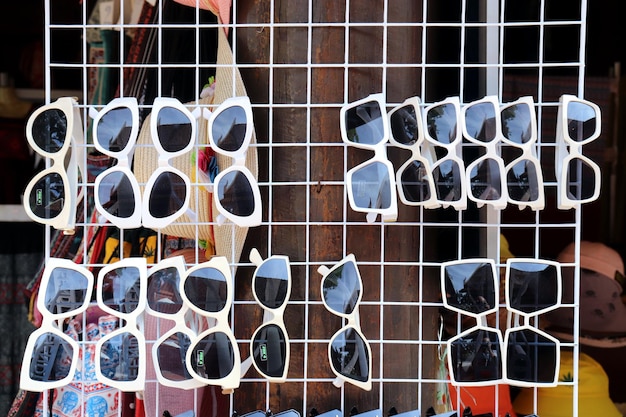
(364, 124)
(480, 121)
(271, 283)
(476, 357)
(171, 357)
(447, 178)
(531, 357)
(163, 294)
(341, 288)
(120, 289)
(66, 291)
(485, 181)
(532, 287)
(581, 121)
(269, 347)
(119, 357)
(229, 128)
(174, 129)
(235, 194)
(113, 130)
(213, 356)
(516, 123)
(207, 289)
(523, 181)
(470, 287)
(371, 186)
(581, 180)
(167, 196)
(441, 123)
(49, 130)
(349, 355)
(52, 356)
(116, 196)
(404, 125)
(414, 181)
(47, 198)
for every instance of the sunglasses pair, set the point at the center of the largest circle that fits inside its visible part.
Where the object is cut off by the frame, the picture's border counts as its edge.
(526, 356)
(167, 192)
(52, 195)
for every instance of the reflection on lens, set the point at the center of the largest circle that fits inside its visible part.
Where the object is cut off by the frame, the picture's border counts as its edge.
(364, 123)
(441, 121)
(581, 180)
(271, 283)
(120, 289)
(349, 355)
(47, 197)
(531, 357)
(171, 357)
(167, 196)
(470, 287)
(269, 349)
(235, 194)
(229, 128)
(414, 181)
(485, 181)
(212, 357)
(113, 130)
(371, 187)
(49, 130)
(516, 123)
(447, 178)
(581, 121)
(207, 289)
(116, 196)
(480, 121)
(52, 358)
(119, 357)
(341, 288)
(66, 290)
(174, 129)
(532, 287)
(476, 356)
(522, 181)
(163, 295)
(404, 125)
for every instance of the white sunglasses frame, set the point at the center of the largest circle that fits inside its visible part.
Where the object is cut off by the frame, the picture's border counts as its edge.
(132, 323)
(352, 322)
(47, 326)
(66, 219)
(239, 163)
(416, 156)
(568, 150)
(123, 164)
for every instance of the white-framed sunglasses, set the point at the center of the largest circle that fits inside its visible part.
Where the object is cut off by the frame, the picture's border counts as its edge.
(51, 196)
(236, 191)
(117, 196)
(51, 356)
(349, 352)
(414, 178)
(578, 177)
(444, 132)
(120, 355)
(213, 356)
(370, 185)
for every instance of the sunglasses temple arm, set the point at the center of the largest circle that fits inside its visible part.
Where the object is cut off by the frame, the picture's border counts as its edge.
(192, 215)
(245, 366)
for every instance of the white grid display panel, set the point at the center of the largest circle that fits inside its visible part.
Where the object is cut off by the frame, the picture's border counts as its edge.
(301, 61)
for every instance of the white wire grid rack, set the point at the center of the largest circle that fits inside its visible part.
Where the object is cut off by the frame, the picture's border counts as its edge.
(301, 61)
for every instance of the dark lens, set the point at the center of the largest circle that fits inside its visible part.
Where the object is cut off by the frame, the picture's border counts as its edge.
(213, 356)
(371, 186)
(167, 196)
(342, 288)
(171, 357)
(523, 181)
(415, 182)
(581, 121)
(113, 130)
(49, 130)
(116, 195)
(476, 357)
(485, 181)
(52, 356)
(269, 347)
(441, 121)
(271, 282)
(531, 357)
(364, 124)
(404, 125)
(163, 294)
(516, 123)
(174, 129)
(532, 286)
(120, 289)
(470, 287)
(447, 178)
(480, 121)
(119, 357)
(229, 128)
(66, 290)
(349, 355)
(47, 197)
(207, 289)
(235, 194)
(581, 180)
